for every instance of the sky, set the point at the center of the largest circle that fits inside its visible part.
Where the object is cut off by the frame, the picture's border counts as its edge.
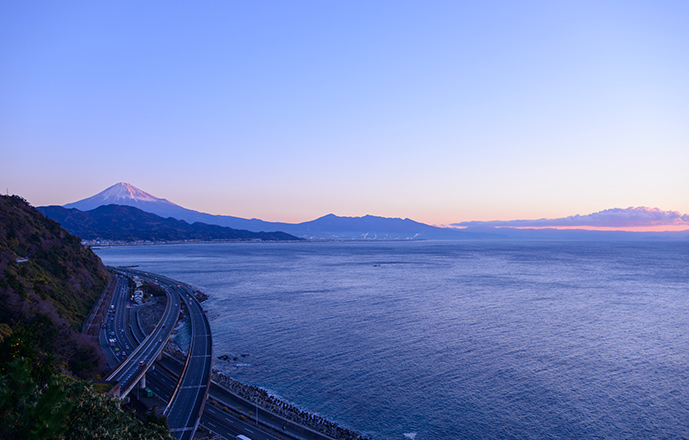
(443, 111)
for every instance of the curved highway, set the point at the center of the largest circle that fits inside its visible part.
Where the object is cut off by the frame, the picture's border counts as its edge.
(186, 406)
(135, 364)
(185, 388)
(189, 395)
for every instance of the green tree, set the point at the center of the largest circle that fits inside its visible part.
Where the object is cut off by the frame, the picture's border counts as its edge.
(29, 410)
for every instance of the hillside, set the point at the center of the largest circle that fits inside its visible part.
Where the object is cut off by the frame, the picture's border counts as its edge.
(48, 283)
(43, 267)
(127, 223)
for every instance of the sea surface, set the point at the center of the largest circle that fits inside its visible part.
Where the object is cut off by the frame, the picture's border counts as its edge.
(452, 340)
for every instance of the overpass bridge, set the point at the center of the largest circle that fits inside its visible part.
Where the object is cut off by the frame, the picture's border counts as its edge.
(164, 378)
(189, 397)
(140, 351)
(136, 361)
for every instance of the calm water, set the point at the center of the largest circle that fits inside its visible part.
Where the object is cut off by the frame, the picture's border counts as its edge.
(450, 340)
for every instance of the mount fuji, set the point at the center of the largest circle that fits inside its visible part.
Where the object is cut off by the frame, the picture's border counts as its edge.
(126, 195)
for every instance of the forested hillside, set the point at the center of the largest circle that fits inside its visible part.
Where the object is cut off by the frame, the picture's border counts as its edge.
(42, 262)
(130, 224)
(48, 283)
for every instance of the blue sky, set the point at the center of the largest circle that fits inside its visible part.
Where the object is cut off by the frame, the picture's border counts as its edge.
(443, 112)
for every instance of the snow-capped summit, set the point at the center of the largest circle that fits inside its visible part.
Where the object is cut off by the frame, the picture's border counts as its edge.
(122, 194)
(124, 191)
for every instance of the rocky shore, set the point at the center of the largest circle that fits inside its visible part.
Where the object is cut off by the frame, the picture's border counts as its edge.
(150, 314)
(283, 409)
(269, 403)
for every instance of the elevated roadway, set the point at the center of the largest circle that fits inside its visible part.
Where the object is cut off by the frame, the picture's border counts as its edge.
(187, 393)
(136, 363)
(188, 397)
(187, 402)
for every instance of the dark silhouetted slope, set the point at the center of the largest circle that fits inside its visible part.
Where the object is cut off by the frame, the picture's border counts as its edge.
(127, 223)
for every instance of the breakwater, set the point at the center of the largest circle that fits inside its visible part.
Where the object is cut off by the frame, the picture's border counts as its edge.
(266, 402)
(285, 410)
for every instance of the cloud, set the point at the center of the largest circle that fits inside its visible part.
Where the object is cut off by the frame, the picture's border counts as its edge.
(610, 218)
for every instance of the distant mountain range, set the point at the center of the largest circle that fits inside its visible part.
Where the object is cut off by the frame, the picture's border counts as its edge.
(326, 227)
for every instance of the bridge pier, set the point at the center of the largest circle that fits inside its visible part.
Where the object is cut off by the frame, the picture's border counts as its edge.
(142, 382)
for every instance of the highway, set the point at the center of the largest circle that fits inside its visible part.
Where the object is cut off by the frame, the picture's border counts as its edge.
(223, 423)
(163, 384)
(187, 399)
(186, 406)
(186, 395)
(116, 326)
(213, 419)
(138, 360)
(109, 328)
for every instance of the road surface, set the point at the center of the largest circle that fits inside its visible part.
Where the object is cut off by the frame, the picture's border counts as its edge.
(137, 360)
(185, 409)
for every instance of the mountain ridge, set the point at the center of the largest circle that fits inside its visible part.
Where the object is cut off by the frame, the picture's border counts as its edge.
(131, 224)
(331, 226)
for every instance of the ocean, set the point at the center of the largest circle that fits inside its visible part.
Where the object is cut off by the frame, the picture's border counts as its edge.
(452, 340)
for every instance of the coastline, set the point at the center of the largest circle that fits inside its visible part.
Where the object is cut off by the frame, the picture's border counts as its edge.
(268, 403)
(283, 409)
(106, 244)
(273, 405)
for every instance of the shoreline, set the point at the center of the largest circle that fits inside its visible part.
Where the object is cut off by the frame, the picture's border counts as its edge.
(274, 405)
(105, 244)
(256, 395)
(284, 409)
(148, 316)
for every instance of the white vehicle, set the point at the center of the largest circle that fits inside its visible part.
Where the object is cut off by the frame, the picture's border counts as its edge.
(242, 437)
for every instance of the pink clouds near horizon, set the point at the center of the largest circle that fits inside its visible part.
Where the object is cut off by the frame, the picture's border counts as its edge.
(631, 219)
